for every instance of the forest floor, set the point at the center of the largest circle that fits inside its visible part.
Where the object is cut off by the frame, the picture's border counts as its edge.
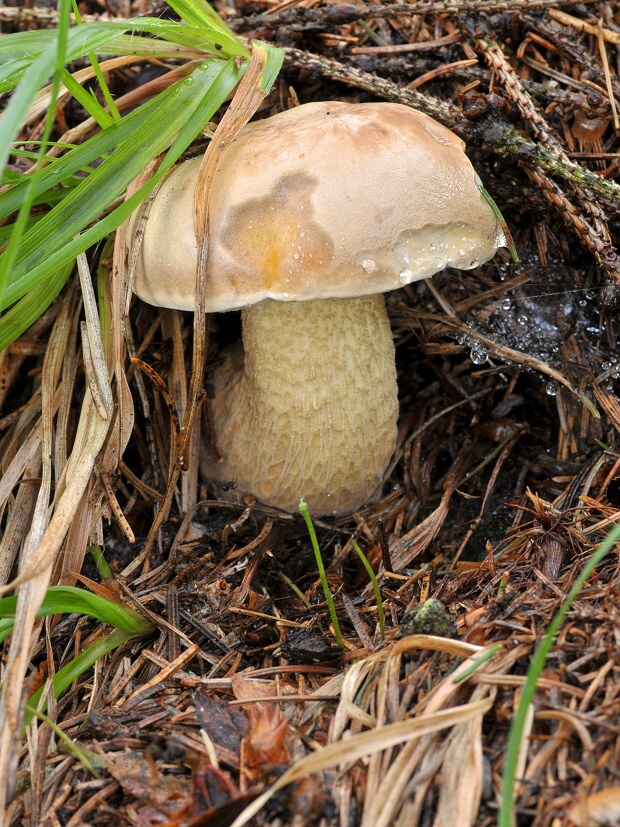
(505, 481)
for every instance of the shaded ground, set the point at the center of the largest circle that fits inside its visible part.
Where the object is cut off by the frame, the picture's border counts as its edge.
(504, 481)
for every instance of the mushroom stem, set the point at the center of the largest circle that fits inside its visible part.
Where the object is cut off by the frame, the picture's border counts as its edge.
(312, 410)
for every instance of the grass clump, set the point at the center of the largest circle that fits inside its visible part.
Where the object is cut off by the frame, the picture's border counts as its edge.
(83, 182)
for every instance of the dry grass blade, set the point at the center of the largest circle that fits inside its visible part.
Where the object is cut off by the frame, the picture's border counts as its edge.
(47, 532)
(366, 743)
(416, 541)
(92, 430)
(377, 678)
(583, 26)
(243, 105)
(462, 773)
(42, 101)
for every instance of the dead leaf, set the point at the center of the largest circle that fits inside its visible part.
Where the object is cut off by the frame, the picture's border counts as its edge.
(264, 744)
(601, 809)
(225, 725)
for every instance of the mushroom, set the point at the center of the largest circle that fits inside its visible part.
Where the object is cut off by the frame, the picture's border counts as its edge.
(314, 213)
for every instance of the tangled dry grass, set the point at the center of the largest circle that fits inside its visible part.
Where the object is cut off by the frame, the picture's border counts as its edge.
(505, 480)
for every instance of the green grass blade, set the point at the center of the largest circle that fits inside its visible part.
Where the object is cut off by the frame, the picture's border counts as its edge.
(35, 77)
(71, 600)
(76, 667)
(375, 586)
(214, 38)
(24, 62)
(300, 595)
(105, 91)
(19, 227)
(305, 513)
(91, 151)
(25, 46)
(11, 73)
(177, 40)
(177, 120)
(28, 309)
(114, 113)
(112, 158)
(486, 656)
(502, 222)
(90, 103)
(103, 567)
(506, 813)
(201, 14)
(6, 627)
(20, 50)
(70, 745)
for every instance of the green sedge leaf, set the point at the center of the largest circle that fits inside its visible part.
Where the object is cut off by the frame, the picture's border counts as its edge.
(86, 99)
(274, 59)
(177, 120)
(72, 600)
(200, 13)
(28, 309)
(75, 668)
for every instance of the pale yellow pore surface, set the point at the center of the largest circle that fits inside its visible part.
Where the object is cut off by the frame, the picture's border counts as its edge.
(312, 413)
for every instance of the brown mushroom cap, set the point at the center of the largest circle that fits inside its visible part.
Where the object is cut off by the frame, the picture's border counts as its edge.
(325, 200)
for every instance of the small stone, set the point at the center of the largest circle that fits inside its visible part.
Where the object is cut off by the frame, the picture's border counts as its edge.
(429, 618)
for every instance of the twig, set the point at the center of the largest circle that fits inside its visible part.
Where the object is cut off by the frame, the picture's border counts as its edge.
(404, 48)
(343, 13)
(584, 26)
(506, 140)
(595, 235)
(600, 249)
(49, 17)
(562, 35)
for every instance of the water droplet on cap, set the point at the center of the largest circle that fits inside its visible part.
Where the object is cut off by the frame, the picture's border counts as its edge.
(479, 354)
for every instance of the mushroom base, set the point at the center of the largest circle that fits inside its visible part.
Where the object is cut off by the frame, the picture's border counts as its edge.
(311, 410)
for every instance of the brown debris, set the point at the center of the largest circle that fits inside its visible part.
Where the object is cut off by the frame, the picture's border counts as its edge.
(505, 480)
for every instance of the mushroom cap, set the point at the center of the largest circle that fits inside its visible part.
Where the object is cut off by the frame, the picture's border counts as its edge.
(325, 200)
